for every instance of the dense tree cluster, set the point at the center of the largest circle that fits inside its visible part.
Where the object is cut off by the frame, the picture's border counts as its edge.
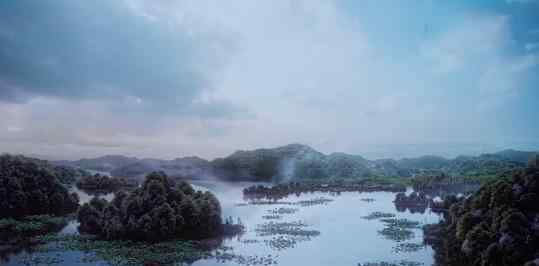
(28, 187)
(440, 181)
(283, 190)
(155, 211)
(497, 226)
(415, 202)
(104, 183)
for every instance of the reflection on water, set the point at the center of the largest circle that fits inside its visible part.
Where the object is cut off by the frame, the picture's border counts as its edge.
(344, 237)
(308, 229)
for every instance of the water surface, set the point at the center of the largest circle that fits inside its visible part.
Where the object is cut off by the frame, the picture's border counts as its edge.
(340, 235)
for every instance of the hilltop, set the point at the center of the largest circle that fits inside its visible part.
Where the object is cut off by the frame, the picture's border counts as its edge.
(298, 161)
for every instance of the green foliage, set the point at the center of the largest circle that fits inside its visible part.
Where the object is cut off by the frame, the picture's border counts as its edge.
(30, 225)
(30, 187)
(126, 252)
(156, 211)
(495, 226)
(104, 183)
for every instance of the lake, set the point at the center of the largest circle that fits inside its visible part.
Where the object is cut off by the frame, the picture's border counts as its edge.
(307, 229)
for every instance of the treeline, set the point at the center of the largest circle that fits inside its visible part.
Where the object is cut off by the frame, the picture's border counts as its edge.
(496, 226)
(104, 183)
(30, 187)
(156, 211)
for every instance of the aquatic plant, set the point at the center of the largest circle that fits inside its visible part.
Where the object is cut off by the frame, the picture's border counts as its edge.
(401, 223)
(123, 252)
(378, 215)
(396, 234)
(250, 260)
(312, 202)
(295, 228)
(272, 217)
(396, 263)
(408, 247)
(283, 210)
(398, 230)
(30, 225)
(285, 234)
(282, 242)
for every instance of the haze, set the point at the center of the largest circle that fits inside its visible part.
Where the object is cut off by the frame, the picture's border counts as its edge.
(166, 79)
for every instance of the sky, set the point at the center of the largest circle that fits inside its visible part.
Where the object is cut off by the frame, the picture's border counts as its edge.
(167, 79)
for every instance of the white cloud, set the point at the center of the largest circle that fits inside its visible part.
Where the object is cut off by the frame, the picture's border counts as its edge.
(308, 72)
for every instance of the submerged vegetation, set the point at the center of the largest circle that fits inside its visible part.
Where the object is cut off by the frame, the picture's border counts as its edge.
(156, 211)
(498, 225)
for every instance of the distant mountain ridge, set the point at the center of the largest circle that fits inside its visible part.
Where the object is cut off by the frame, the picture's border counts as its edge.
(297, 161)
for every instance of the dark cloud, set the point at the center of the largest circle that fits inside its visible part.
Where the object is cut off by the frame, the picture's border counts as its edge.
(101, 50)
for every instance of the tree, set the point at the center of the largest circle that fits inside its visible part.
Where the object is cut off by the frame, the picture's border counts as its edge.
(156, 211)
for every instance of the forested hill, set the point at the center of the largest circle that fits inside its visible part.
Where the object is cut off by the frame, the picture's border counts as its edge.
(297, 161)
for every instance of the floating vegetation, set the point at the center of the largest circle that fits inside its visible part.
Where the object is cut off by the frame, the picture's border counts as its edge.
(39, 259)
(367, 199)
(408, 247)
(285, 234)
(302, 203)
(272, 217)
(283, 242)
(315, 201)
(269, 202)
(283, 210)
(249, 241)
(396, 234)
(398, 229)
(246, 260)
(285, 228)
(30, 225)
(401, 223)
(395, 263)
(123, 252)
(378, 215)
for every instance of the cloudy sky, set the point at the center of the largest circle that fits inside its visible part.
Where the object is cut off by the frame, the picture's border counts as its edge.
(173, 78)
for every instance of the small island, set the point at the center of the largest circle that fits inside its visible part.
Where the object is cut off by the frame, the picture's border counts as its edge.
(158, 210)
